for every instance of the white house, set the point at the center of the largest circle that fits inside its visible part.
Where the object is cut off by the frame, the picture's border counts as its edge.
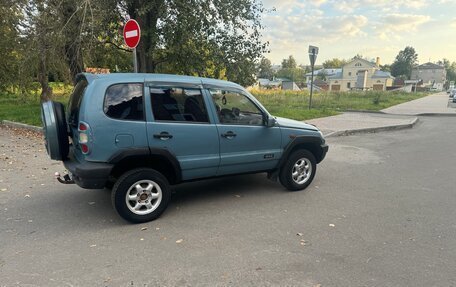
(360, 74)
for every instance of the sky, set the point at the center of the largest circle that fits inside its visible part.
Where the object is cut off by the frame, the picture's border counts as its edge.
(371, 28)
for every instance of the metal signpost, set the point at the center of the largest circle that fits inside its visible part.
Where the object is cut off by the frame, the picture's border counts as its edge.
(132, 35)
(313, 52)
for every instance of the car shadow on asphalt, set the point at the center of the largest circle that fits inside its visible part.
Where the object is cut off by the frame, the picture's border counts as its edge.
(69, 207)
(219, 188)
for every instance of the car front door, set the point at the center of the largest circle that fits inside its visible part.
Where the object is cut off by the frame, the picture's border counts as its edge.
(180, 123)
(246, 143)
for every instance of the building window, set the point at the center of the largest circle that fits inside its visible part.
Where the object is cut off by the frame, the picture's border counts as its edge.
(358, 65)
(348, 85)
(349, 73)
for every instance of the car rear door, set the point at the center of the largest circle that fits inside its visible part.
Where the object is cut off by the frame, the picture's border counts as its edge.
(179, 122)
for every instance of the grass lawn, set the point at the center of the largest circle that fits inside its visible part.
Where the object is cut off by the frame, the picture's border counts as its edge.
(295, 105)
(27, 109)
(289, 104)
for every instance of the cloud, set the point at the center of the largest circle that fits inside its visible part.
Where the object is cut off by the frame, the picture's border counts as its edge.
(343, 28)
(383, 5)
(317, 3)
(314, 27)
(404, 22)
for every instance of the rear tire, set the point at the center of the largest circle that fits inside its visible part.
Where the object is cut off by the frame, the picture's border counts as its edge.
(298, 171)
(62, 130)
(141, 195)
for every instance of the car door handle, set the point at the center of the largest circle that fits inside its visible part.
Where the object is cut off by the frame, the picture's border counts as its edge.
(229, 135)
(163, 136)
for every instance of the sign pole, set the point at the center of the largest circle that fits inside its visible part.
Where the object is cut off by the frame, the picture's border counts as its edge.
(311, 86)
(135, 60)
(313, 51)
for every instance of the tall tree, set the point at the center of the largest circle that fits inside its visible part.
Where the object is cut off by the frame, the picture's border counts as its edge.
(404, 62)
(10, 16)
(293, 74)
(450, 69)
(40, 41)
(205, 38)
(289, 63)
(334, 63)
(265, 69)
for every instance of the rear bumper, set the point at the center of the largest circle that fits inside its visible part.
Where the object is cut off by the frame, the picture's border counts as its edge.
(90, 175)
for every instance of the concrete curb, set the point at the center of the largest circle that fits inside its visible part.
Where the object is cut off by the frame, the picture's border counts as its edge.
(22, 126)
(413, 115)
(431, 115)
(372, 130)
(365, 112)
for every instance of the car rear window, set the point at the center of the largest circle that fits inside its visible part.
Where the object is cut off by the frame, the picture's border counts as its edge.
(125, 102)
(75, 102)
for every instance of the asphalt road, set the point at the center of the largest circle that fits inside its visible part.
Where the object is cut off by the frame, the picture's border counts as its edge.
(380, 212)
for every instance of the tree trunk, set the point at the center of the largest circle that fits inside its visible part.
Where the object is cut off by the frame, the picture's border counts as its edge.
(72, 38)
(147, 20)
(46, 91)
(73, 52)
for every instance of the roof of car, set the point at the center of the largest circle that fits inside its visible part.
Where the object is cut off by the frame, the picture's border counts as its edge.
(143, 77)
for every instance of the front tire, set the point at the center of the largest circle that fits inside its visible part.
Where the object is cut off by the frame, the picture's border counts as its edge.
(141, 195)
(298, 171)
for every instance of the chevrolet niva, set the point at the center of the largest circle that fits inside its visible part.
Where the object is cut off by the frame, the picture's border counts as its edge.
(137, 134)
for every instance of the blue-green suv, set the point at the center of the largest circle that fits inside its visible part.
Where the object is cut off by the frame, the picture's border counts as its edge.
(140, 133)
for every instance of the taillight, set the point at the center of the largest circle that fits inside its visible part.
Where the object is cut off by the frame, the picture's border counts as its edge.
(84, 148)
(84, 137)
(82, 126)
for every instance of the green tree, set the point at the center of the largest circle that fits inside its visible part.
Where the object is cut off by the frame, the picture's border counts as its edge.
(322, 76)
(404, 62)
(334, 63)
(293, 74)
(265, 69)
(205, 38)
(450, 69)
(289, 63)
(385, 68)
(10, 45)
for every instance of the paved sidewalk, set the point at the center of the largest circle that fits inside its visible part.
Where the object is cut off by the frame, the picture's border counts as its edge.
(351, 123)
(433, 104)
(396, 117)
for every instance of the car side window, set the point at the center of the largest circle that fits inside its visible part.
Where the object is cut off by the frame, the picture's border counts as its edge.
(235, 108)
(124, 102)
(178, 104)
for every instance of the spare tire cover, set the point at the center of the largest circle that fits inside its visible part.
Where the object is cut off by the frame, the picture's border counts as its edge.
(55, 130)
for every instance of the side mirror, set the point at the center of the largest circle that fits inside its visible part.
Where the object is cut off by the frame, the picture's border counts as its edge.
(270, 121)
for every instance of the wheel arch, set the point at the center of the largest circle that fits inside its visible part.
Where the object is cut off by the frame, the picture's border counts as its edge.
(160, 160)
(311, 143)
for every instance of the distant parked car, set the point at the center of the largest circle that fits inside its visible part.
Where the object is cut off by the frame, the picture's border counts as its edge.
(454, 99)
(452, 93)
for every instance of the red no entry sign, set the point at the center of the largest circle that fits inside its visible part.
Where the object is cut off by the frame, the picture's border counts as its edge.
(131, 33)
